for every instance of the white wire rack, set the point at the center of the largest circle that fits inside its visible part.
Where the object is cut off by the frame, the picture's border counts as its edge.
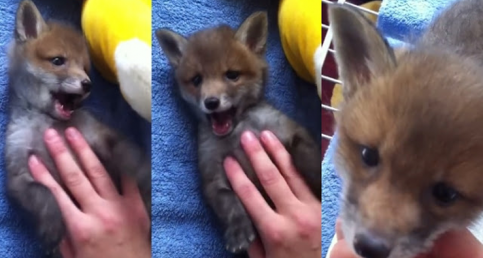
(326, 50)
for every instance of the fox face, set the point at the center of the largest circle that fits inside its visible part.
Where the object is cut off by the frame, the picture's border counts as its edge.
(53, 62)
(409, 140)
(220, 72)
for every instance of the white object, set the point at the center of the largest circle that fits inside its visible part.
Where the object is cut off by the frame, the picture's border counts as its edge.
(133, 64)
(334, 240)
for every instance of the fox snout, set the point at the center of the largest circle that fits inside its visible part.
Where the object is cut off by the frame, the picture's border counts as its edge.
(370, 245)
(76, 85)
(380, 219)
(86, 85)
(214, 100)
(216, 103)
(77, 82)
(212, 103)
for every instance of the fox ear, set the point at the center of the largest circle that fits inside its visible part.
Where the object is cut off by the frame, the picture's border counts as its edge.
(253, 32)
(172, 44)
(29, 22)
(361, 52)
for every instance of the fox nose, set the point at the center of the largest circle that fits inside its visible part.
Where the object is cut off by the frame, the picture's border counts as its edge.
(212, 103)
(370, 246)
(86, 85)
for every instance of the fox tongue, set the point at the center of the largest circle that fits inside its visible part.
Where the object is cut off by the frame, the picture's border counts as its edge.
(63, 111)
(220, 123)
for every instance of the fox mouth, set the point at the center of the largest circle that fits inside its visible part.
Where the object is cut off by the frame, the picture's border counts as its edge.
(222, 122)
(66, 103)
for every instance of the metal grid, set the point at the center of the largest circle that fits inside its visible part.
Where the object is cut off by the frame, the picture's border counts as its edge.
(326, 50)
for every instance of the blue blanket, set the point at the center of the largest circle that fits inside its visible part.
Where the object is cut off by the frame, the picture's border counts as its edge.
(17, 237)
(183, 226)
(399, 21)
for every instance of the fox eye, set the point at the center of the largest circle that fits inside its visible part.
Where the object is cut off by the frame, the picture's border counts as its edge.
(232, 75)
(58, 61)
(370, 156)
(444, 194)
(196, 80)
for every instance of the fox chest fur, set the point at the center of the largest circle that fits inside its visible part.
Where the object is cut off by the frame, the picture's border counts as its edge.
(25, 131)
(214, 149)
(221, 74)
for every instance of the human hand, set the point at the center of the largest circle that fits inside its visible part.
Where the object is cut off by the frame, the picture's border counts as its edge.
(341, 249)
(454, 244)
(106, 224)
(293, 229)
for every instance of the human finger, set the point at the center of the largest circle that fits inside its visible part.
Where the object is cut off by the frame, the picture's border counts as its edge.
(461, 243)
(93, 167)
(249, 195)
(42, 175)
(71, 174)
(341, 250)
(66, 248)
(132, 195)
(284, 163)
(256, 249)
(338, 229)
(268, 174)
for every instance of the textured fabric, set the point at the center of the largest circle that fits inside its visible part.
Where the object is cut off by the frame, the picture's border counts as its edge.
(400, 21)
(405, 20)
(183, 226)
(331, 186)
(17, 237)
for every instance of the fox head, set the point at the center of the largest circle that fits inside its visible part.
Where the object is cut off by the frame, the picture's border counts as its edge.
(410, 144)
(220, 72)
(49, 64)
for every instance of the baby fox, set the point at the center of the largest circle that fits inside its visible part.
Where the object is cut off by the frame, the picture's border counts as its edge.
(410, 141)
(48, 81)
(221, 74)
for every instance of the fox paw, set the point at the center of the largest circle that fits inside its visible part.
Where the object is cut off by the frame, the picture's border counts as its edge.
(238, 237)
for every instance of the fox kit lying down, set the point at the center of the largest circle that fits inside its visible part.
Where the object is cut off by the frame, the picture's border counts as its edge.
(48, 80)
(221, 74)
(410, 139)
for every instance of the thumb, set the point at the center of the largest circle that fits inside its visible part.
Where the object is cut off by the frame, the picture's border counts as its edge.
(66, 248)
(129, 187)
(456, 244)
(338, 229)
(342, 250)
(256, 249)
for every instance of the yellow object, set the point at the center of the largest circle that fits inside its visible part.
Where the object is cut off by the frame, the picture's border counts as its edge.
(373, 6)
(118, 33)
(299, 23)
(337, 96)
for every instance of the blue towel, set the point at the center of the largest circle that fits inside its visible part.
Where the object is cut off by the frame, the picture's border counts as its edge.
(405, 20)
(17, 238)
(183, 226)
(400, 21)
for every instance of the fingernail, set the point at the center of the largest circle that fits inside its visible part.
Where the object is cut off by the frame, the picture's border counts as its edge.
(33, 160)
(50, 134)
(72, 133)
(248, 137)
(267, 136)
